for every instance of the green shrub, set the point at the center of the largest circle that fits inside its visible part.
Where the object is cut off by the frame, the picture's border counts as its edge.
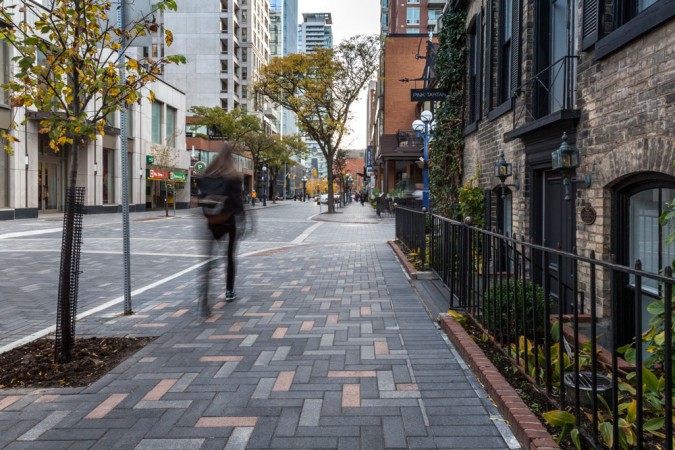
(504, 308)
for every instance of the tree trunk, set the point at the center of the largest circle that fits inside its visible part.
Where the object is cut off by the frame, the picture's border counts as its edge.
(64, 329)
(272, 185)
(331, 193)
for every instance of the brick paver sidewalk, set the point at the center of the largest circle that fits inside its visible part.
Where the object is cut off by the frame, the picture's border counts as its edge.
(326, 346)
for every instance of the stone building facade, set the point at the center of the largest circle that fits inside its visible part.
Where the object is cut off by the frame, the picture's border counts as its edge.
(602, 74)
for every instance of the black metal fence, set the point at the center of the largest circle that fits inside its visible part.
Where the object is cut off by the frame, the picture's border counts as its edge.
(569, 322)
(410, 229)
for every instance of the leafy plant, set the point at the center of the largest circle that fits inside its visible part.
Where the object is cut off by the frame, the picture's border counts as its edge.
(567, 422)
(504, 307)
(446, 155)
(471, 199)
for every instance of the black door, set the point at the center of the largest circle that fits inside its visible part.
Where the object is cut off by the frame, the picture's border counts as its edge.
(554, 227)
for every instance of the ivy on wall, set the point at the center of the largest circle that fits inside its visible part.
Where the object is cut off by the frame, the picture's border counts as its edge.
(445, 168)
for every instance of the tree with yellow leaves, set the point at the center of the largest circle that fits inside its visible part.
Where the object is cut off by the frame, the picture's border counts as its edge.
(67, 67)
(320, 89)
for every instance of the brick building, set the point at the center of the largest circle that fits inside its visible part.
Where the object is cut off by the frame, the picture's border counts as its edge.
(396, 148)
(601, 72)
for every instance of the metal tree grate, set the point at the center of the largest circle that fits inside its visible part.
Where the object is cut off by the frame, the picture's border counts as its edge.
(70, 273)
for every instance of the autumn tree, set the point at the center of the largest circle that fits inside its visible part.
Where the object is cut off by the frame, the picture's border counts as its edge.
(236, 126)
(281, 155)
(232, 125)
(66, 60)
(320, 88)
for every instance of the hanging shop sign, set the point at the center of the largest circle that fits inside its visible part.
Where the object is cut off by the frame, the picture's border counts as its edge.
(425, 95)
(149, 159)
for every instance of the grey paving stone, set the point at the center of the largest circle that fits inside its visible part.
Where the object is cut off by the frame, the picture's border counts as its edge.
(169, 444)
(394, 433)
(288, 422)
(304, 442)
(317, 281)
(372, 438)
(311, 412)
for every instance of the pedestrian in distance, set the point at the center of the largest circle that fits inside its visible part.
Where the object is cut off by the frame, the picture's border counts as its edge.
(220, 195)
(253, 197)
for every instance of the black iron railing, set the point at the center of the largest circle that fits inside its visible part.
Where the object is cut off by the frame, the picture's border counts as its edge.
(408, 138)
(556, 314)
(551, 89)
(410, 230)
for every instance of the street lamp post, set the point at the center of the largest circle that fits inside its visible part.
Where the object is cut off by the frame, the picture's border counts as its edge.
(348, 180)
(425, 130)
(304, 188)
(264, 177)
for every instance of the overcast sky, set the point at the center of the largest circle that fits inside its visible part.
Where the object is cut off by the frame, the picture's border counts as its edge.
(350, 17)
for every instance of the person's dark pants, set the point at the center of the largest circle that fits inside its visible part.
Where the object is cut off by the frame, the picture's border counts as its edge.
(217, 232)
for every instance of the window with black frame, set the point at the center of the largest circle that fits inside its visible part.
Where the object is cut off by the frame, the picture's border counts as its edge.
(640, 235)
(553, 89)
(504, 57)
(612, 24)
(474, 81)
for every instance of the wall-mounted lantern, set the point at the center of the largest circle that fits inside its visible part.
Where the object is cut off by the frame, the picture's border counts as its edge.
(566, 160)
(503, 170)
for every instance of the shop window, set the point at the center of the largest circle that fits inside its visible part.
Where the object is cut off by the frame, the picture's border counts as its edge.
(4, 71)
(171, 114)
(108, 164)
(157, 122)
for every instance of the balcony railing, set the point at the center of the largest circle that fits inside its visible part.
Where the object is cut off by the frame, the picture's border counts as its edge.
(552, 89)
(408, 138)
(542, 307)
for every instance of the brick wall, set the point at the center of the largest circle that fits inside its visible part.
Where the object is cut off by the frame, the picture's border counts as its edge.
(400, 62)
(627, 125)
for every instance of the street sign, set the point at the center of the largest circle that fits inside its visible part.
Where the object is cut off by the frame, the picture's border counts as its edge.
(149, 159)
(199, 167)
(423, 95)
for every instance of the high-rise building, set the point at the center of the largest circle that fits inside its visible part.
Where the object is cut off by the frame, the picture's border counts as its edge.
(411, 17)
(284, 41)
(225, 43)
(315, 31)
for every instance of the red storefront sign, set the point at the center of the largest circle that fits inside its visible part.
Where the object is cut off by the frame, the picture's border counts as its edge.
(158, 175)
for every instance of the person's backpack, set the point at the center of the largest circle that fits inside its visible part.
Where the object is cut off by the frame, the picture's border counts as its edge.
(219, 196)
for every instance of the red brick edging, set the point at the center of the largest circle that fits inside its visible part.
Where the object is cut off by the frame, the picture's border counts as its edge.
(525, 425)
(403, 260)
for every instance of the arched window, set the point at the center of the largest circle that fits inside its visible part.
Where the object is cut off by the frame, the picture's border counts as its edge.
(639, 235)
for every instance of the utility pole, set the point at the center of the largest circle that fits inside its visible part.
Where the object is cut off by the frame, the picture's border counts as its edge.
(125, 169)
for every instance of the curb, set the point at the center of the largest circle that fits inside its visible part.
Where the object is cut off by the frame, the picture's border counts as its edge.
(527, 428)
(403, 260)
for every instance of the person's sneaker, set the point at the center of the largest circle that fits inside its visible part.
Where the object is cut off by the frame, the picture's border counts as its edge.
(230, 296)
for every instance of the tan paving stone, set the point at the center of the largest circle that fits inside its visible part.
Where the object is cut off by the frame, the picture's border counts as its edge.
(106, 406)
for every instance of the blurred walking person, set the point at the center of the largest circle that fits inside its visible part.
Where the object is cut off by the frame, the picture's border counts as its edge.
(220, 195)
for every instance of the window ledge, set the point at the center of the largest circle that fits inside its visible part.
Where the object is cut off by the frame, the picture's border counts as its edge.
(472, 127)
(645, 22)
(572, 115)
(500, 110)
